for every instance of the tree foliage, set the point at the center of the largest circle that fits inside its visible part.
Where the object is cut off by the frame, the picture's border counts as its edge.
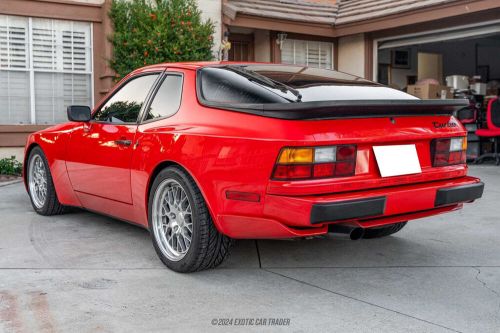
(153, 31)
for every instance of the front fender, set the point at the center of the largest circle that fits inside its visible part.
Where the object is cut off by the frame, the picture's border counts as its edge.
(54, 141)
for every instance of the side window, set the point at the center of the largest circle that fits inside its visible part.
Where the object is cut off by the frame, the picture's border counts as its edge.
(124, 106)
(167, 100)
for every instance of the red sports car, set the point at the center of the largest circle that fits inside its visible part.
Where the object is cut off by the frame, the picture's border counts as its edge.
(202, 153)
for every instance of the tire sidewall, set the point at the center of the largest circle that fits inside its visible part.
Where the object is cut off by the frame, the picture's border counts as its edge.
(38, 151)
(194, 248)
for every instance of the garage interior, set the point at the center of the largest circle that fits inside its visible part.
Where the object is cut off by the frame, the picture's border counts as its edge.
(451, 63)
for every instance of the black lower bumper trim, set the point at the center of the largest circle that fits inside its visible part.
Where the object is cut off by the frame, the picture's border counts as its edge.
(453, 195)
(337, 211)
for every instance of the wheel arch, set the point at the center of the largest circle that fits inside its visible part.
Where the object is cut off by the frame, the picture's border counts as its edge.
(168, 163)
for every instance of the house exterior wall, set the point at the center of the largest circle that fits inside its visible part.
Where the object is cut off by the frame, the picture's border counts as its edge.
(212, 10)
(351, 54)
(262, 40)
(7, 152)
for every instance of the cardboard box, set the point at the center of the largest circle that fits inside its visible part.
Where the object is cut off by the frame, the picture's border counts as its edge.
(430, 91)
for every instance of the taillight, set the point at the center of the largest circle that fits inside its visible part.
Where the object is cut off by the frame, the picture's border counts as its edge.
(313, 163)
(448, 151)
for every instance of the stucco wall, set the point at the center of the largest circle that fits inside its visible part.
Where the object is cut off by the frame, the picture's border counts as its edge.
(211, 9)
(7, 152)
(262, 46)
(351, 54)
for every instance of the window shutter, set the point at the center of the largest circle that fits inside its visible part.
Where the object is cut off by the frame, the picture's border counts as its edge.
(287, 53)
(62, 47)
(13, 42)
(313, 54)
(76, 48)
(15, 97)
(300, 52)
(320, 54)
(326, 55)
(54, 92)
(62, 66)
(44, 45)
(307, 53)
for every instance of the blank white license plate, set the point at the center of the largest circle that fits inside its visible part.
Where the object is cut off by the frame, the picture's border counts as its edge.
(397, 160)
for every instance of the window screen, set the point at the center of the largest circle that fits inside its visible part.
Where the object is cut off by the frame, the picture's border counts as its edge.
(124, 106)
(167, 99)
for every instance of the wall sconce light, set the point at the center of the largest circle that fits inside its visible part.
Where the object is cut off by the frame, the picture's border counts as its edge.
(281, 37)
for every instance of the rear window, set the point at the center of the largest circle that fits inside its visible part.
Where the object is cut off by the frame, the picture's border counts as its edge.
(266, 84)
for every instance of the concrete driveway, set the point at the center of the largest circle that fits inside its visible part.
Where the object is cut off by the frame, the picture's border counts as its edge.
(82, 272)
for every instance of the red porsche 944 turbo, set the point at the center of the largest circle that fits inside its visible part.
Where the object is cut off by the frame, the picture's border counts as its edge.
(203, 153)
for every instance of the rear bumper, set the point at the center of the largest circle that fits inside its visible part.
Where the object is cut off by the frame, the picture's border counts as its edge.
(350, 209)
(464, 193)
(287, 216)
(375, 206)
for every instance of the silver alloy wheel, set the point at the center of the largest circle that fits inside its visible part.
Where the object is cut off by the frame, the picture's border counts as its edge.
(172, 219)
(37, 177)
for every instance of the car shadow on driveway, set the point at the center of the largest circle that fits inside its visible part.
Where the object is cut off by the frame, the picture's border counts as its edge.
(83, 239)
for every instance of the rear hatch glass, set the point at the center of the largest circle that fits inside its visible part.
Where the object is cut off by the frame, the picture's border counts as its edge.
(267, 84)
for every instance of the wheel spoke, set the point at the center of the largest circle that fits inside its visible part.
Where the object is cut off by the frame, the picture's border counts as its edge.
(173, 219)
(186, 236)
(37, 180)
(181, 243)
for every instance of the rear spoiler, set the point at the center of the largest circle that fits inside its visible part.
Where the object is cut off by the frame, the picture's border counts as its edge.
(346, 109)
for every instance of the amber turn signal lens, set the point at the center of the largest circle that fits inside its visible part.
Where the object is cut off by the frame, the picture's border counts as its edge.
(296, 155)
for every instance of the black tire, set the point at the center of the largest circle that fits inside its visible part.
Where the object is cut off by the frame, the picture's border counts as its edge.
(208, 247)
(383, 231)
(51, 206)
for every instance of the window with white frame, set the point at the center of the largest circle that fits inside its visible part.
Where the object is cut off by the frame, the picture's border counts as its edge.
(307, 53)
(45, 65)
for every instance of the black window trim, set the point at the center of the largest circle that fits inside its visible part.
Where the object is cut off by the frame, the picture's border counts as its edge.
(322, 110)
(116, 90)
(152, 95)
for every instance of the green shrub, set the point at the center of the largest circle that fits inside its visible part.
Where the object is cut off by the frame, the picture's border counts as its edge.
(10, 166)
(150, 32)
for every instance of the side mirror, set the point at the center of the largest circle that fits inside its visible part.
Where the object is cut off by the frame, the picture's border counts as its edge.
(79, 113)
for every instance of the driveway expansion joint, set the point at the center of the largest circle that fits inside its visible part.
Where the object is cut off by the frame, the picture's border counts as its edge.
(360, 300)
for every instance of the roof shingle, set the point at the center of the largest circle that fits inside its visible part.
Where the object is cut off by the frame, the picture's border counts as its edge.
(359, 10)
(294, 10)
(343, 12)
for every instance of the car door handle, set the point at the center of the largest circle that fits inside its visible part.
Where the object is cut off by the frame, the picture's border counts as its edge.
(123, 142)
